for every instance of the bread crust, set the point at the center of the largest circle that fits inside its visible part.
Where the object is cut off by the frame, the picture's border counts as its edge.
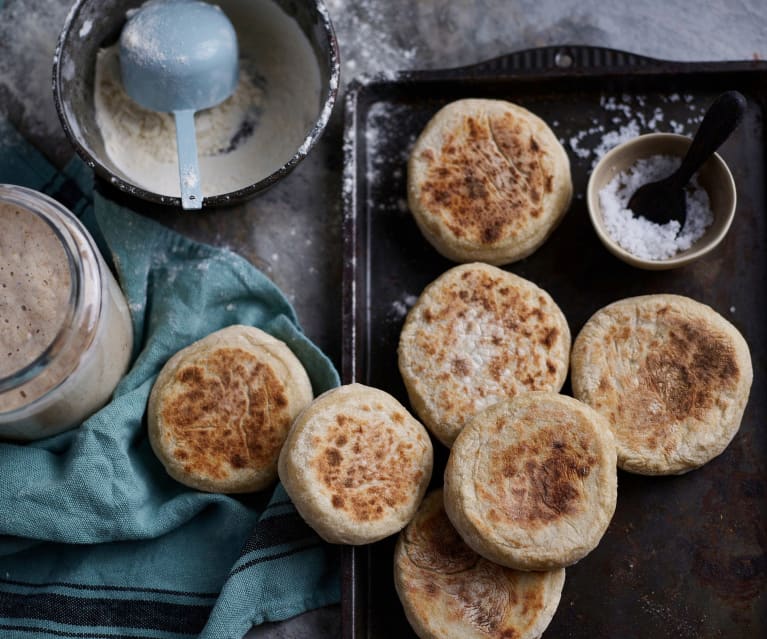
(477, 335)
(450, 592)
(671, 376)
(221, 408)
(531, 483)
(356, 465)
(488, 181)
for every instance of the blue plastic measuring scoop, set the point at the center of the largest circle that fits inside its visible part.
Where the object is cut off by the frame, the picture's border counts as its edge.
(180, 56)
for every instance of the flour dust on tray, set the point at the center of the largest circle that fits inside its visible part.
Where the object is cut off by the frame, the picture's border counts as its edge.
(638, 235)
(240, 141)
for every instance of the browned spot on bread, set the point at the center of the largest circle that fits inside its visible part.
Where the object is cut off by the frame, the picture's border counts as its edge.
(550, 366)
(238, 461)
(225, 411)
(333, 457)
(550, 337)
(337, 501)
(497, 367)
(543, 476)
(532, 601)
(460, 367)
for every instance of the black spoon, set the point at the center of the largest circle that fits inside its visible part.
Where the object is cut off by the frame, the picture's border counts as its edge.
(665, 200)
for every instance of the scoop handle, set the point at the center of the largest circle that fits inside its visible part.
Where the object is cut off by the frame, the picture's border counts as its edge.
(188, 166)
(722, 118)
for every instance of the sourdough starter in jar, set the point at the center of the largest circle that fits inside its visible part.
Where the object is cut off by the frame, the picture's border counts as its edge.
(65, 330)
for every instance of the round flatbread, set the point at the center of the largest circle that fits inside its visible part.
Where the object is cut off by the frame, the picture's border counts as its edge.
(671, 376)
(477, 335)
(450, 592)
(531, 483)
(356, 464)
(487, 181)
(221, 408)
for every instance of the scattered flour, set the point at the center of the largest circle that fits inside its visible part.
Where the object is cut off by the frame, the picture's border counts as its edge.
(638, 235)
(242, 140)
(28, 31)
(385, 164)
(366, 40)
(85, 29)
(625, 117)
(400, 307)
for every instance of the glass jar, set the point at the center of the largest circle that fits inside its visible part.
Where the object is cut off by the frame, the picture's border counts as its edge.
(65, 329)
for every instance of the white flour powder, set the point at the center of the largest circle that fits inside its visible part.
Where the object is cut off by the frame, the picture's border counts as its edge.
(240, 141)
(639, 236)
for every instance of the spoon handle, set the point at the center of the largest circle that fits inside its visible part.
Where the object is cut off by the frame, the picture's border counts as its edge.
(721, 119)
(188, 167)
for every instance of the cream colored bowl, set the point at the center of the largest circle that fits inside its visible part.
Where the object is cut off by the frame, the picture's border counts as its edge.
(714, 177)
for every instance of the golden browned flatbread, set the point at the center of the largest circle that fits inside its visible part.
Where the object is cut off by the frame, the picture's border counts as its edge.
(531, 483)
(670, 374)
(356, 464)
(450, 592)
(222, 407)
(487, 181)
(477, 335)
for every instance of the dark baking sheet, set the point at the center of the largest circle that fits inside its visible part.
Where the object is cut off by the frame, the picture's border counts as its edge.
(684, 557)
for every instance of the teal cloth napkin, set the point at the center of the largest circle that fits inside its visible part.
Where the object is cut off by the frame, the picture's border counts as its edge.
(96, 540)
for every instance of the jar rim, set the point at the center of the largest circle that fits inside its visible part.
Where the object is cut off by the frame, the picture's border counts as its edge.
(47, 210)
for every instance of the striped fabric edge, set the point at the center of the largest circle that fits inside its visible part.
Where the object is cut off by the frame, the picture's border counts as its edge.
(151, 609)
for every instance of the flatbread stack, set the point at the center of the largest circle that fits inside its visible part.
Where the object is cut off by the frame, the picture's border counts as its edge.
(487, 181)
(356, 465)
(221, 408)
(671, 376)
(450, 592)
(478, 335)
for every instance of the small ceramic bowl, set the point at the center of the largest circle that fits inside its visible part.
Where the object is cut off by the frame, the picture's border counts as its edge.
(714, 177)
(94, 24)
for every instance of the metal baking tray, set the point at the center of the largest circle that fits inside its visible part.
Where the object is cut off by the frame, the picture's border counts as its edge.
(684, 557)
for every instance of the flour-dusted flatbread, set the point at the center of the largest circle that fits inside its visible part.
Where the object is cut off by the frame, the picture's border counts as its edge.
(670, 374)
(450, 592)
(221, 408)
(477, 335)
(487, 181)
(531, 483)
(356, 465)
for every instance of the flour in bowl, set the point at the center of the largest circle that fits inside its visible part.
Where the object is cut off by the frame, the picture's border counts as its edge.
(242, 140)
(638, 235)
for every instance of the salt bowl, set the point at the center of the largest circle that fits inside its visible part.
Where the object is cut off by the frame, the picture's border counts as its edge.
(714, 177)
